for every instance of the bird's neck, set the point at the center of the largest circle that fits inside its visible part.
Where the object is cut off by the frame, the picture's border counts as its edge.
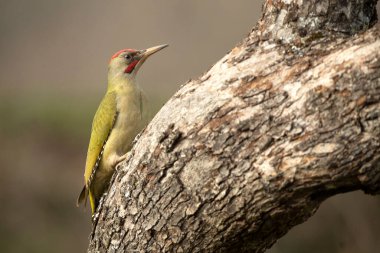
(121, 82)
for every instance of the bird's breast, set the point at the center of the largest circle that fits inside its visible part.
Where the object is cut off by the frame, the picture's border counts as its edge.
(131, 119)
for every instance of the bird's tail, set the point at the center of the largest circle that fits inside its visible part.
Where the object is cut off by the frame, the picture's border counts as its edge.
(82, 199)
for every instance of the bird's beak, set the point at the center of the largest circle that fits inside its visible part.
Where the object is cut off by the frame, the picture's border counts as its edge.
(148, 52)
(144, 54)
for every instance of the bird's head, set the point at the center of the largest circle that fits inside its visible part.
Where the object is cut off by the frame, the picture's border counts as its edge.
(126, 62)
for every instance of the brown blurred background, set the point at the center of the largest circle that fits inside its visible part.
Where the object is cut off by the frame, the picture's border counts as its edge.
(54, 57)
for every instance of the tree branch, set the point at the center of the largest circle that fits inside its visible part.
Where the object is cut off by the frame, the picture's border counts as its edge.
(239, 156)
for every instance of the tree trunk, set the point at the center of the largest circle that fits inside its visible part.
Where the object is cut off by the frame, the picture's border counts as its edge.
(237, 157)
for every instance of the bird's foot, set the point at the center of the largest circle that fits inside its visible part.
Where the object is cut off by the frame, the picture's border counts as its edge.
(120, 160)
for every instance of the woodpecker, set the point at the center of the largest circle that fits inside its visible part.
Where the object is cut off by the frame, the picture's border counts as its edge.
(121, 115)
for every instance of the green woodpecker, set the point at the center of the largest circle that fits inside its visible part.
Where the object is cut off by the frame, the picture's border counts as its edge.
(121, 115)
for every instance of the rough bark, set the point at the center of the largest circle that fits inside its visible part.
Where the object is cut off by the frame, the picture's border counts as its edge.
(239, 156)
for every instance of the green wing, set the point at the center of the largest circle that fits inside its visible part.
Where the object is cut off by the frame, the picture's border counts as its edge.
(102, 125)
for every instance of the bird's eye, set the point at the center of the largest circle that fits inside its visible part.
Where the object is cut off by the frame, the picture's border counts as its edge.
(127, 56)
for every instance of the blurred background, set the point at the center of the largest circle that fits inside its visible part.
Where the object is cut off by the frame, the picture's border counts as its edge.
(54, 57)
